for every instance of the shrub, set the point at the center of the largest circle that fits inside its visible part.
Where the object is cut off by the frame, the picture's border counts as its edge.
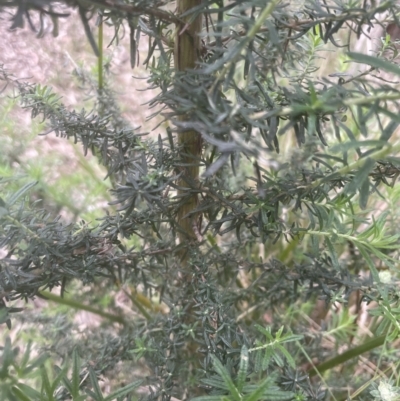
(264, 197)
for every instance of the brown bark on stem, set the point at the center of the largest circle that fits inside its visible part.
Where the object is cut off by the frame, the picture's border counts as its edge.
(187, 50)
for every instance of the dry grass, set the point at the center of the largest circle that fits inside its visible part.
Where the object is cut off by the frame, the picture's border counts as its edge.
(51, 61)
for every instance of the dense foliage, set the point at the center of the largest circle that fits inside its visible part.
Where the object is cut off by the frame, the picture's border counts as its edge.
(270, 185)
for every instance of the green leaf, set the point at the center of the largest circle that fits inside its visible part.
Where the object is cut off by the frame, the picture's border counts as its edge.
(25, 357)
(360, 177)
(350, 145)
(389, 130)
(220, 369)
(61, 374)
(258, 362)
(76, 365)
(291, 338)
(38, 362)
(277, 395)
(288, 357)
(376, 62)
(268, 354)
(7, 358)
(29, 391)
(364, 194)
(95, 384)
(265, 331)
(370, 263)
(124, 390)
(215, 382)
(258, 393)
(46, 386)
(68, 386)
(277, 358)
(332, 253)
(22, 191)
(243, 368)
(22, 394)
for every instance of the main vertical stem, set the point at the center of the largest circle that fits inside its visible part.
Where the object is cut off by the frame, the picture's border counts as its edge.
(187, 50)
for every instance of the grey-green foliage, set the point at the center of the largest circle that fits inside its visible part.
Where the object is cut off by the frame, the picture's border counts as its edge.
(237, 390)
(309, 208)
(16, 370)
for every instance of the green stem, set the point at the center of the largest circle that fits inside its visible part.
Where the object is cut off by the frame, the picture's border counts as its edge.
(244, 43)
(379, 154)
(186, 54)
(356, 101)
(346, 237)
(24, 227)
(140, 307)
(346, 356)
(100, 59)
(79, 306)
